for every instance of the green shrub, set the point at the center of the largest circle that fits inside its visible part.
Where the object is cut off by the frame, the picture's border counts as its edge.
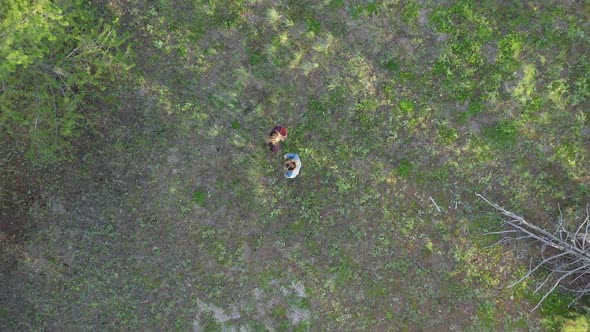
(580, 324)
(55, 58)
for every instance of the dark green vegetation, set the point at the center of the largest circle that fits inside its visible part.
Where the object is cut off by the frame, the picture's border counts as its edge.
(138, 192)
(57, 62)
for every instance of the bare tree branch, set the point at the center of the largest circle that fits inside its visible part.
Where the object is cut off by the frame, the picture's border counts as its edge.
(564, 253)
(535, 269)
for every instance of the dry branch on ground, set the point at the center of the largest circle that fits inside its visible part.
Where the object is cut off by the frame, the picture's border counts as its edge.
(564, 252)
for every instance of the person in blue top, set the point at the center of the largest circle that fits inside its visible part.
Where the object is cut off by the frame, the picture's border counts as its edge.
(292, 165)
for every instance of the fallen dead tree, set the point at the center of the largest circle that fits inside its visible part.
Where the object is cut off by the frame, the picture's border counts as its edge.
(565, 252)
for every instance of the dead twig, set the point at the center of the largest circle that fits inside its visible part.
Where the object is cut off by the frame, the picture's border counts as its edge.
(435, 205)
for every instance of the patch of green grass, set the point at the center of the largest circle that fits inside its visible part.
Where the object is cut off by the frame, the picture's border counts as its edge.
(255, 57)
(404, 168)
(299, 302)
(406, 106)
(401, 266)
(358, 11)
(335, 4)
(474, 108)
(365, 109)
(410, 12)
(486, 314)
(447, 133)
(313, 25)
(391, 65)
(211, 324)
(580, 92)
(279, 312)
(577, 324)
(556, 303)
(199, 197)
(439, 175)
(503, 134)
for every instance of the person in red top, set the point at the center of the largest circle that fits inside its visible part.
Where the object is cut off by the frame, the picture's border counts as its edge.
(276, 136)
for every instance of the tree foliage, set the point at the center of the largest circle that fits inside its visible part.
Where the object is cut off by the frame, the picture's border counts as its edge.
(55, 58)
